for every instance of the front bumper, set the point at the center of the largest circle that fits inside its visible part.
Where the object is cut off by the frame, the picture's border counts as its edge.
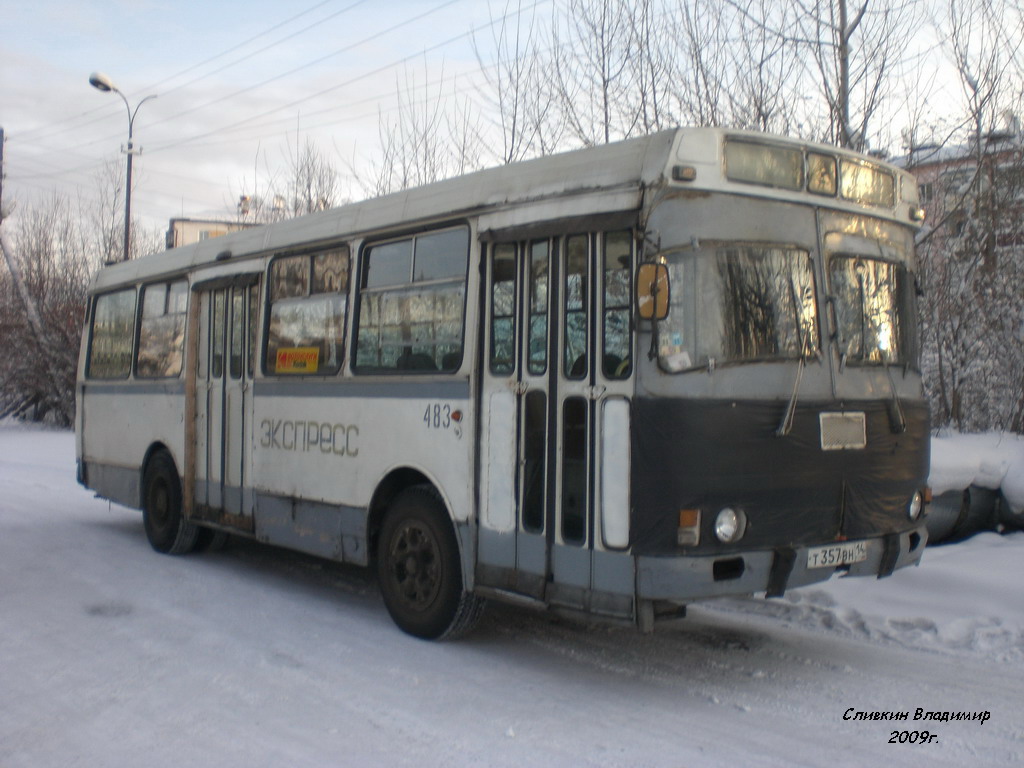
(772, 571)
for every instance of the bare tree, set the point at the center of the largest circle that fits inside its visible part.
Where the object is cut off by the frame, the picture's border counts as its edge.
(858, 55)
(426, 139)
(702, 72)
(591, 70)
(307, 182)
(765, 90)
(41, 314)
(511, 79)
(313, 181)
(972, 260)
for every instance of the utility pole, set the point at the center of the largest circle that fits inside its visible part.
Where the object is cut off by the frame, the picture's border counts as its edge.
(101, 82)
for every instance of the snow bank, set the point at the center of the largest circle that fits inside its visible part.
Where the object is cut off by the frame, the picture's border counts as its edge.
(991, 460)
(961, 602)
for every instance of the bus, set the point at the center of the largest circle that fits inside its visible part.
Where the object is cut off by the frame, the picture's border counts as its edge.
(613, 381)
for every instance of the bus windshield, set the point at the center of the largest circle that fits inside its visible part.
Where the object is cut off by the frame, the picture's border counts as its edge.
(733, 302)
(871, 292)
(869, 310)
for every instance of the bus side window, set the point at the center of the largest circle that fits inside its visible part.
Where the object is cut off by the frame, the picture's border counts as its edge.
(111, 336)
(162, 330)
(412, 304)
(218, 310)
(618, 254)
(577, 306)
(503, 309)
(253, 330)
(308, 307)
(236, 344)
(537, 356)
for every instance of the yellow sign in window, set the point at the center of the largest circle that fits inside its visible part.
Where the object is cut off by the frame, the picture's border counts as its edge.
(298, 360)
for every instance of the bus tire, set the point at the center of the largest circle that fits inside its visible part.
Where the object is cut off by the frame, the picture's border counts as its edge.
(166, 527)
(419, 569)
(210, 540)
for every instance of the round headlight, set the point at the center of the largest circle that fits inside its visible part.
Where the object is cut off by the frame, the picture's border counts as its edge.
(729, 525)
(915, 506)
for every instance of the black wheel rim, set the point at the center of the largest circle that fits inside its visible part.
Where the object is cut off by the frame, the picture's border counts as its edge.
(414, 566)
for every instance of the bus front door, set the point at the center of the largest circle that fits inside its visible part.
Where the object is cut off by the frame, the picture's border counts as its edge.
(557, 368)
(227, 326)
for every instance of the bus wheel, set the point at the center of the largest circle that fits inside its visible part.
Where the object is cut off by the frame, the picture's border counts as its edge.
(166, 528)
(419, 569)
(209, 540)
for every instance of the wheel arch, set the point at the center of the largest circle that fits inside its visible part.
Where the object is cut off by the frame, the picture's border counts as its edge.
(393, 483)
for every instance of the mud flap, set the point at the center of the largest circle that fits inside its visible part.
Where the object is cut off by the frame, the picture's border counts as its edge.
(782, 567)
(890, 554)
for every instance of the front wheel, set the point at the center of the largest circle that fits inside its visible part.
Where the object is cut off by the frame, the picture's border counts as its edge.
(419, 569)
(166, 527)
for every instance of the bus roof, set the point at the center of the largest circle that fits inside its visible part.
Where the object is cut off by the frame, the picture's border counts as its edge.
(626, 167)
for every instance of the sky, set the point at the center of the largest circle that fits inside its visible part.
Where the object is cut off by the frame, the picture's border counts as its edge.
(238, 86)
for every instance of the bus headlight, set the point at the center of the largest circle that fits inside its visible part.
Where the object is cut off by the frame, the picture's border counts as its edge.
(915, 506)
(730, 525)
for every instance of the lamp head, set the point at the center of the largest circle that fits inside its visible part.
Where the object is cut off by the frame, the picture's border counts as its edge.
(101, 82)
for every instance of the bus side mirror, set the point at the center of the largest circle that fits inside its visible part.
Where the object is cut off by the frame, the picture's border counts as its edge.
(652, 289)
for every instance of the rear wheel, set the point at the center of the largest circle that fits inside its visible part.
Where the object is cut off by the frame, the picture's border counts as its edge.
(419, 569)
(166, 527)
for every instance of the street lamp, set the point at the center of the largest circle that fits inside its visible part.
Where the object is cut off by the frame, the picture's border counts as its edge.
(101, 82)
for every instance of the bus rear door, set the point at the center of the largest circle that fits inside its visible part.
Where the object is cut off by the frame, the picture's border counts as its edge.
(225, 368)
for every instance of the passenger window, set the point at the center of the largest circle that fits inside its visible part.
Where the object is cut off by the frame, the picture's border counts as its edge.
(308, 303)
(254, 310)
(162, 330)
(219, 311)
(574, 470)
(237, 345)
(577, 307)
(412, 304)
(503, 308)
(540, 255)
(111, 335)
(535, 428)
(618, 254)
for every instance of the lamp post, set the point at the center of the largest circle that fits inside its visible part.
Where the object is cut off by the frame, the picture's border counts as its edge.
(101, 82)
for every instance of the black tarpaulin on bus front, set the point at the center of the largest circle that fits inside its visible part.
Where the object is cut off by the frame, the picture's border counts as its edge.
(702, 454)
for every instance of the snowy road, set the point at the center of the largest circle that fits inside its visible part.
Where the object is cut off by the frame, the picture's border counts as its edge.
(112, 655)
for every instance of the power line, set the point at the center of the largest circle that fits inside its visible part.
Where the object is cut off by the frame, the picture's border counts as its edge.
(71, 124)
(248, 122)
(350, 81)
(217, 102)
(344, 49)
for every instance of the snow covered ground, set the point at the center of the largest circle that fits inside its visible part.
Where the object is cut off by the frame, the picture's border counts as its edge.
(112, 655)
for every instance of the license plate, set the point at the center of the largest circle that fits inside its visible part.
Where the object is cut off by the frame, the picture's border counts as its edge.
(832, 555)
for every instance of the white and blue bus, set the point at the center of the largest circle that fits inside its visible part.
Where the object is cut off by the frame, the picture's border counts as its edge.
(612, 381)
